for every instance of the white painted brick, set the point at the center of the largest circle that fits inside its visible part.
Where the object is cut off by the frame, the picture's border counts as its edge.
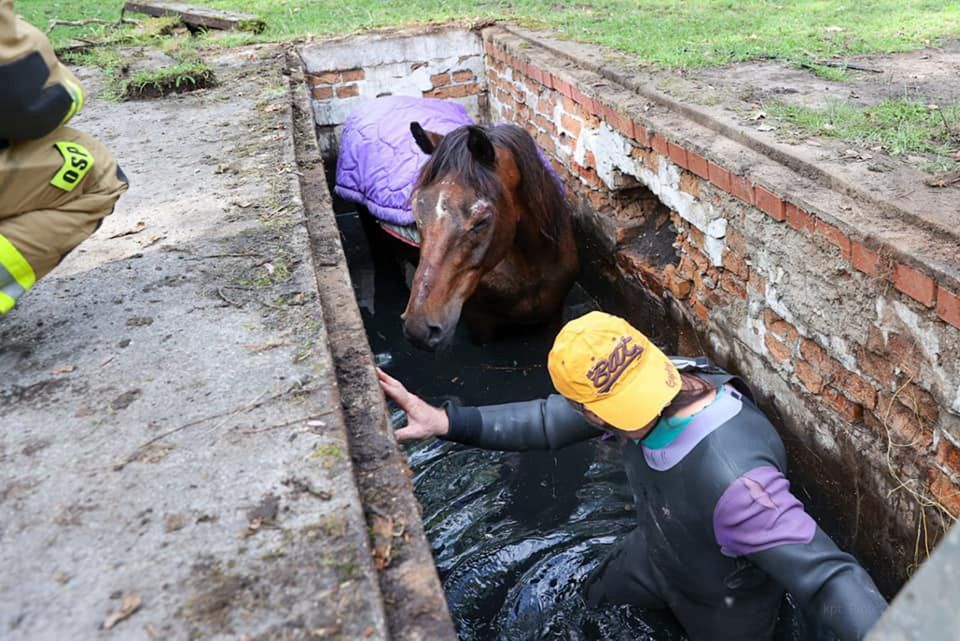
(381, 49)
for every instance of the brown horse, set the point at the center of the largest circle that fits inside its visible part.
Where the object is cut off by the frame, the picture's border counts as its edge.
(496, 235)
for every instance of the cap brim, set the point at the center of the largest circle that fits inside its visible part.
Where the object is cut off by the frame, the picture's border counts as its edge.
(639, 399)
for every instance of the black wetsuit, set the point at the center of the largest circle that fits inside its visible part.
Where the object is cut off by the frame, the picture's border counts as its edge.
(719, 536)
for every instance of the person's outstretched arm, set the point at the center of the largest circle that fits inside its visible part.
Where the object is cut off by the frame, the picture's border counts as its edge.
(542, 424)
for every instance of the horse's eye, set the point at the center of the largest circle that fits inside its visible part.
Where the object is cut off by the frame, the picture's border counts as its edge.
(480, 225)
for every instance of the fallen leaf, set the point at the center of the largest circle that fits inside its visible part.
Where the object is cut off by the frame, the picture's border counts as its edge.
(382, 534)
(151, 241)
(759, 115)
(136, 229)
(63, 369)
(275, 107)
(262, 347)
(131, 603)
(766, 128)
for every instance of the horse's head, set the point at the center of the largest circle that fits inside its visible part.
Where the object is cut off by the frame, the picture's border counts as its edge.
(466, 215)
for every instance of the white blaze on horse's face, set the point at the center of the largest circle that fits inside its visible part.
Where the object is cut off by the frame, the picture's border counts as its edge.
(456, 228)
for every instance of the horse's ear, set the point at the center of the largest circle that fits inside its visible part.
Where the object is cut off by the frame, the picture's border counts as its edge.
(426, 140)
(478, 142)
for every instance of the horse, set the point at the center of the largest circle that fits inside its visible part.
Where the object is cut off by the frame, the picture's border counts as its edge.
(496, 235)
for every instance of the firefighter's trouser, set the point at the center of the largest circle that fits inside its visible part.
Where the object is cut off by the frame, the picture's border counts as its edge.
(54, 192)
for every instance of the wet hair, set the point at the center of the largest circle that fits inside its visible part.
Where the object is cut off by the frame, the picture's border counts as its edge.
(539, 190)
(692, 388)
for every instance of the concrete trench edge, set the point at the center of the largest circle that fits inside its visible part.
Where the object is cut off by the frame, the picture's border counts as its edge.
(411, 593)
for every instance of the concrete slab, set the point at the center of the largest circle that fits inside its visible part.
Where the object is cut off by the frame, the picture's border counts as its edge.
(172, 439)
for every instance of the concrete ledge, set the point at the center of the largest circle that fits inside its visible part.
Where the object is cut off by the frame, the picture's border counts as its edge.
(173, 435)
(416, 607)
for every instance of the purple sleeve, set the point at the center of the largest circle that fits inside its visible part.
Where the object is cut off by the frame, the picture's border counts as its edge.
(757, 512)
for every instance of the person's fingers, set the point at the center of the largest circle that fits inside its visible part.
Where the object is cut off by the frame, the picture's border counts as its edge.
(407, 434)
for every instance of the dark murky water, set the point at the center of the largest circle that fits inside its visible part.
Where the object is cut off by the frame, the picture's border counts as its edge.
(513, 534)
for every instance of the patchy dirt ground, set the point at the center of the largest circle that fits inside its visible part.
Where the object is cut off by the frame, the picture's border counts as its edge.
(927, 75)
(174, 455)
(737, 96)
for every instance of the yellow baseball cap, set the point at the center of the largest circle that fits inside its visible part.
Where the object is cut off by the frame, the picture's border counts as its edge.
(610, 367)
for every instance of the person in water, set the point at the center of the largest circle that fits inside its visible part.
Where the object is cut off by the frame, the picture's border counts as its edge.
(719, 535)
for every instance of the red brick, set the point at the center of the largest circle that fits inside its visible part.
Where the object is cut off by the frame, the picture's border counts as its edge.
(730, 283)
(570, 124)
(879, 368)
(919, 401)
(623, 124)
(719, 176)
(915, 284)
(698, 164)
(835, 237)
(463, 75)
(819, 358)
(809, 376)
(948, 456)
(686, 267)
(799, 219)
(459, 91)
(905, 426)
(741, 188)
(352, 75)
(736, 242)
(549, 80)
(324, 78)
(944, 491)
(536, 74)
(690, 184)
(778, 350)
(769, 202)
(440, 79)
(856, 388)
(779, 327)
(488, 48)
(701, 311)
(563, 87)
(471, 88)
(677, 154)
(905, 353)
(847, 409)
(641, 135)
(948, 306)
(680, 287)
(347, 91)
(659, 144)
(735, 263)
(864, 260)
(322, 92)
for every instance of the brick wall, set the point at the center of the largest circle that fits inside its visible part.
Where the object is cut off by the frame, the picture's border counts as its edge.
(342, 73)
(852, 347)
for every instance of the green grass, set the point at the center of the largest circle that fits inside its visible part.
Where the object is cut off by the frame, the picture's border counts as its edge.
(691, 33)
(184, 76)
(901, 127)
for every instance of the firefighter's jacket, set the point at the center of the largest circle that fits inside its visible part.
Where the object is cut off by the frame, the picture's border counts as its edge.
(56, 183)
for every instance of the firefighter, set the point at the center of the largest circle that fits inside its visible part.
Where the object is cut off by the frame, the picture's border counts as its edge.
(56, 183)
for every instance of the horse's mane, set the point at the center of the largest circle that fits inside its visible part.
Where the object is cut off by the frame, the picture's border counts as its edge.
(539, 190)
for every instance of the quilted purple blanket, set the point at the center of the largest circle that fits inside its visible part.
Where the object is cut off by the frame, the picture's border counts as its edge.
(379, 161)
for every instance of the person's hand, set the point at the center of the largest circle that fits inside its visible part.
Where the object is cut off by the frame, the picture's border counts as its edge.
(423, 420)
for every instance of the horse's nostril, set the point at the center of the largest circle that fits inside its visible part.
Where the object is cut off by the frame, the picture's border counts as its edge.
(434, 332)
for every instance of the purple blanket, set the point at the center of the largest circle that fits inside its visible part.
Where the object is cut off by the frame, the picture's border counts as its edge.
(379, 161)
